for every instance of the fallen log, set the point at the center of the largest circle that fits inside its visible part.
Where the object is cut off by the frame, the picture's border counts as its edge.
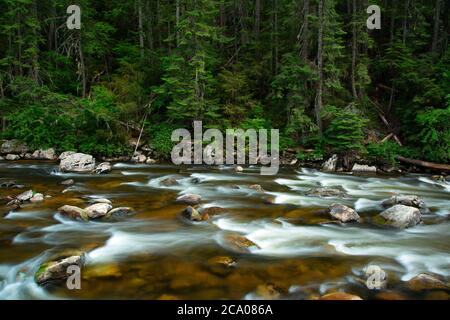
(425, 164)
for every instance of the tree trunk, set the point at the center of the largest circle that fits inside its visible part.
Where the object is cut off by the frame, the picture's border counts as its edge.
(405, 21)
(437, 13)
(319, 102)
(354, 49)
(275, 31)
(141, 28)
(425, 164)
(257, 18)
(304, 34)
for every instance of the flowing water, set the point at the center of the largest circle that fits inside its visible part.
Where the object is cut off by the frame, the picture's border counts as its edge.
(156, 254)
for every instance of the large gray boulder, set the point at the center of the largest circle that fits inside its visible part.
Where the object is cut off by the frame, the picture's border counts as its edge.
(401, 216)
(13, 147)
(103, 168)
(98, 210)
(331, 164)
(407, 200)
(189, 199)
(57, 270)
(343, 213)
(12, 157)
(73, 212)
(77, 162)
(48, 154)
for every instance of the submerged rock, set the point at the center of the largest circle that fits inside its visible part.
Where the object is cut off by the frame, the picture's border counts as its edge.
(193, 215)
(10, 185)
(169, 182)
(103, 168)
(401, 216)
(341, 296)
(77, 162)
(257, 188)
(189, 199)
(343, 213)
(119, 212)
(73, 212)
(407, 200)
(268, 292)
(100, 200)
(57, 270)
(327, 192)
(426, 282)
(98, 210)
(67, 183)
(211, 211)
(240, 243)
(224, 261)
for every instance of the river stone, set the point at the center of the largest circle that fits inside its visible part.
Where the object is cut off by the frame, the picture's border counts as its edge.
(26, 196)
(73, 212)
(169, 182)
(103, 168)
(77, 162)
(364, 168)
(211, 211)
(11, 185)
(401, 216)
(240, 243)
(119, 212)
(66, 154)
(189, 199)
(192, 214)
(57, 270)
(426, 282)
(69, 182)
(12, 157)
(331, 164)
(239, 169)
(257, 188)
(227, 262)
(98, 210)
(150, 161)
(340, 296)
(327, 192)
(139, 158)
(13, 146)
(101, 200)
(48, 154)
(38, 197)
(343, 213)
(407, 200)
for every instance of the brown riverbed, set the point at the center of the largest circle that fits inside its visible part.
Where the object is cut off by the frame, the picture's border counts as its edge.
(155, 254)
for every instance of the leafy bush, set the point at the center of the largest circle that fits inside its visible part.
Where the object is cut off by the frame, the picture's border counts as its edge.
(384, 152)
(161, 134)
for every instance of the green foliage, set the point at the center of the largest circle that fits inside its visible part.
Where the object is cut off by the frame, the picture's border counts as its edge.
(161, 137)
(345, 132)
(384, 152)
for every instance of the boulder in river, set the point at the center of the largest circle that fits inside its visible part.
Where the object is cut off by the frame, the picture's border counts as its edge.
(13, 147)
(407, 200)
(12, 157)
(26, 196)
(139, 158)
(193, 215)
(38, 197)
(11, 185)
(363, 168)
(65, 154)
(73, 212)
(401, 216)
(77, 162)
(426, 282)
(340, 296)
(239, 169)
(211, 211)
(98, 210)
(48, 154)
(55, 271)
(169, 182)
(343, 213)
(103, 168)
(189, 199)
(327, 192)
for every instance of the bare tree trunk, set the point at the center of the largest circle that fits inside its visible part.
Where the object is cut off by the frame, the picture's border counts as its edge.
(405, 21)
(319, 102)
(275, 29)
(354, 49)
(149, 25)
(35, 59)
(430, 165)
(257, 18)
(304, 33)
(178, 21)
(392, 24)
(436, 26)
(141, 28)
(223, 16)
(83, 69)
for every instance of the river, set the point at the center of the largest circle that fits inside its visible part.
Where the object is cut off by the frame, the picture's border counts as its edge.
(155, 254)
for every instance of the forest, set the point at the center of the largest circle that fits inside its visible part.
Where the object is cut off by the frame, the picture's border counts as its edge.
(310, 68)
